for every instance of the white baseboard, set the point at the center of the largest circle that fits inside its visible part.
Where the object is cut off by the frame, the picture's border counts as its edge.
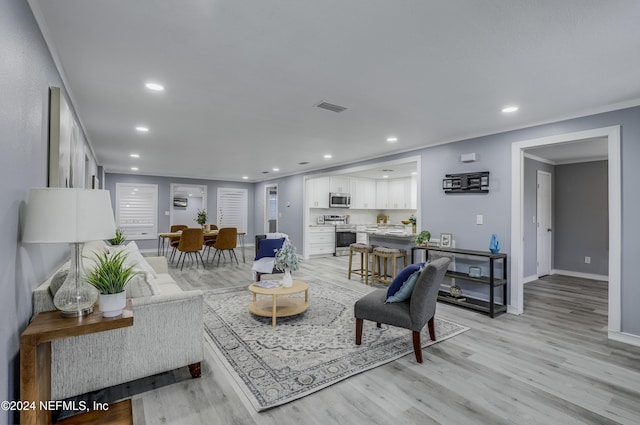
(529, 279)
(625, 337)
(602, 277)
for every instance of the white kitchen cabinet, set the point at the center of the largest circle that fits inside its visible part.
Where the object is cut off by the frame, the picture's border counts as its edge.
(339, 184)
(322, 240)
(396, 199)
(382, 194)
(363, 193)
(318, 192)
(396, 194)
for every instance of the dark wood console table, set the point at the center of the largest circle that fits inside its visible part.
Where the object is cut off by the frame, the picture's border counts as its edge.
(35, 364)
(494, 282)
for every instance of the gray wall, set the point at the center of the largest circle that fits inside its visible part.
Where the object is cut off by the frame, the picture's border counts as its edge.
(165, 202)
(26, 71)
(581, 224)
(456, 214)
(530, 203)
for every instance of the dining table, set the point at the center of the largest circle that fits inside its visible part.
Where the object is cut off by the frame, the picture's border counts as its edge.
(169, 235)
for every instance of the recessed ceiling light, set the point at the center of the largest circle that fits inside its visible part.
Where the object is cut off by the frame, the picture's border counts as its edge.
(385, 176)
(413, 173)
(509, 109)
(245, 177)
(191, 194)
(154, 86)
(276, 169)
(328, 156)
(134, 155)
(142, 129)
(134, 168)
(392, 139)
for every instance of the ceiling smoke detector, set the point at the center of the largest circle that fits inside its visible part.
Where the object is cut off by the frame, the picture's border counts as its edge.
(330, 106)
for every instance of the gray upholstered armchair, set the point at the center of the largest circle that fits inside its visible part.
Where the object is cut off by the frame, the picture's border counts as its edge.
(411, 314)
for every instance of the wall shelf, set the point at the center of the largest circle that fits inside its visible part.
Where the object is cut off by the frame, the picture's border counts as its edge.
(477, 182)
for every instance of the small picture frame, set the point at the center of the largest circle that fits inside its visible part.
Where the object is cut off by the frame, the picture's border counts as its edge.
(446, 240)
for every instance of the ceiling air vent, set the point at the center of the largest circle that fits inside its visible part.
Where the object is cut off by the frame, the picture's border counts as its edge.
(330, 106)
(303, 163)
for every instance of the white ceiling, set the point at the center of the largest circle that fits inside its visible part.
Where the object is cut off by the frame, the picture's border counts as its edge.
(242, 77)
(595, 149)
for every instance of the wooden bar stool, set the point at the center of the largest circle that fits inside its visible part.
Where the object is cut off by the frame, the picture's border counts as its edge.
(384, 253)
(364, 250)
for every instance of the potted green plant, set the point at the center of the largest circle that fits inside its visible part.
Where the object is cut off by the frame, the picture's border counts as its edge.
(423, 238)
(412, 220)
(286, 260)
(201, 218)
(119, 238)
(110, 277)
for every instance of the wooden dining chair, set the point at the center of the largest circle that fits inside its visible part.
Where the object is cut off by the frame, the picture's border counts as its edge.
(191, 242)
(175, 240)
(210, 240)
(227, 240)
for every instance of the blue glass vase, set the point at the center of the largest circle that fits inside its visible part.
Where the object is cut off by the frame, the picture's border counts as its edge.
(494, 245)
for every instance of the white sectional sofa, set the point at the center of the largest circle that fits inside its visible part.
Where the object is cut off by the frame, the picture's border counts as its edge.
(167, 332)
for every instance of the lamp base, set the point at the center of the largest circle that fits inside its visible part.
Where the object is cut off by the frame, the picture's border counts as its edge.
(75, 298)
(77, 313)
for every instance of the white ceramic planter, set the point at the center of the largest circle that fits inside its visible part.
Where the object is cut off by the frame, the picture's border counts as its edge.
(287, 281)
(111, 305)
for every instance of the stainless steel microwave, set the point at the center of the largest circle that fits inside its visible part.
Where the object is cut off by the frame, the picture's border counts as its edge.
(339, 200)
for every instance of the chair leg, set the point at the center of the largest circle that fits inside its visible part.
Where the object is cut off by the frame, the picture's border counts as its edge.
(233, 251)
(201, 260)
(432, 330)
(378, 325)
(195, 370)
(359, 331)
(417, 347)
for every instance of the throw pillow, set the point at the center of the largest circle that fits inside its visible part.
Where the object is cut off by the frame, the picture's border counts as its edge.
(141, 285)
(57, 280)
(405, 291)
(402, 277)
(268, 247)
(135, 258)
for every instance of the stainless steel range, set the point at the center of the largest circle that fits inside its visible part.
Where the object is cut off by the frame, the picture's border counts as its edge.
(345, 236)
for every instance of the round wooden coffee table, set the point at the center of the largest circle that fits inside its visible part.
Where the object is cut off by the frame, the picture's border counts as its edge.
(279, 305)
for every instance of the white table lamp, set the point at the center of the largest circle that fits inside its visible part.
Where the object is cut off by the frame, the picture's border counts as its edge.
(74, 216)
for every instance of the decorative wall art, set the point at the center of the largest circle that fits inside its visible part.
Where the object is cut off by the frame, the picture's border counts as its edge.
(66, 144)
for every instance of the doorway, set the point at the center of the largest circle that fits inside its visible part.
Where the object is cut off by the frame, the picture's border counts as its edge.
(185, 201)
(612, 134)
(271, 209)
(544, 235)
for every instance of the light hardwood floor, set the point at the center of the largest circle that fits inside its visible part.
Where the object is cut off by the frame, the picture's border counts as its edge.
(551, 365)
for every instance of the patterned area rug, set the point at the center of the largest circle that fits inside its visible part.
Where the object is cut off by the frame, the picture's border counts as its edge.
(303, 353)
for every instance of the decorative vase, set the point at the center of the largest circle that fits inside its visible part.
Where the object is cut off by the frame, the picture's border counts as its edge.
(494, 245)
(455, 291)
(413, 229)
(287, 281)
(111, 305)
(206, 227)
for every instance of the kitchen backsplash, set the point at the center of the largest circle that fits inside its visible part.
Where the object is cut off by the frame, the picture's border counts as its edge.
(362, 216)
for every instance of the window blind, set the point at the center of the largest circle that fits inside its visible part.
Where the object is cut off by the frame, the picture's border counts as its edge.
(137, 210)
(232, 208)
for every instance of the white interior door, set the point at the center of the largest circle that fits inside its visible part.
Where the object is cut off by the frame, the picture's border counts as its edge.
(544, 230)
(271, 209)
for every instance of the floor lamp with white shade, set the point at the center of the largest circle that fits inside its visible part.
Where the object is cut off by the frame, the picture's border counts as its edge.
(74, 216)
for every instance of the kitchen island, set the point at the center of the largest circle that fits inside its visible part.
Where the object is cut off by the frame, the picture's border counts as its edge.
(392, 239)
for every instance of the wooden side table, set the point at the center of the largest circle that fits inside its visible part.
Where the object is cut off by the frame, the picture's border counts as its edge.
(35, 362)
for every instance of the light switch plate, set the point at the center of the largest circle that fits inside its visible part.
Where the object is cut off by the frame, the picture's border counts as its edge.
(479, 219)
